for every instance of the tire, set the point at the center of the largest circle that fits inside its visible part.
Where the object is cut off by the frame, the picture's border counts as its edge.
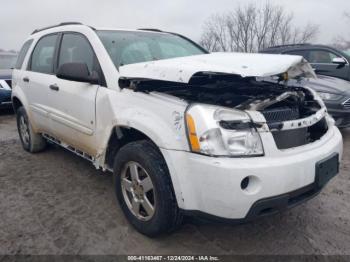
(31, 141)
(148, 161)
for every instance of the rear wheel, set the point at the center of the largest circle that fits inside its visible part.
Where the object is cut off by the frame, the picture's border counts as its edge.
(144, 189)
(31, 141)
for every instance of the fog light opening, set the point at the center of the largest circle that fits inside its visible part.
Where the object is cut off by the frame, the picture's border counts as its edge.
(251, 185)
(245, 183)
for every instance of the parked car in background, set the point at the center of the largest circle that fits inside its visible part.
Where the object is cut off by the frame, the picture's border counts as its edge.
(324, 59)
(335, 93)
(7, 62)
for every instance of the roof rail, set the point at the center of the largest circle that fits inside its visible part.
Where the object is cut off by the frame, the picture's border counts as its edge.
(279, 46)
(61, 24)
(150, 29)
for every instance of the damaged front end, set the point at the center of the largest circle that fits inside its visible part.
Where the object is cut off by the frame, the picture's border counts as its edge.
(293, 114)
(228, 111)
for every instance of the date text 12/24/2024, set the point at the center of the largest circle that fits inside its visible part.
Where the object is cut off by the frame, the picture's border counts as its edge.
(173, 258)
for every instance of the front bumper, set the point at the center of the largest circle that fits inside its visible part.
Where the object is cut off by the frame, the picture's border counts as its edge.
(213, 185)
(266, 206)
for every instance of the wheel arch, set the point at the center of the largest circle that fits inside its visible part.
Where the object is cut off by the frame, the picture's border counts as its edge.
(131, 134)
(119, 137)
(16, 103)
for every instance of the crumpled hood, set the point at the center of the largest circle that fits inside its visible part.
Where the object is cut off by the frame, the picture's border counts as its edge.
(246, 65)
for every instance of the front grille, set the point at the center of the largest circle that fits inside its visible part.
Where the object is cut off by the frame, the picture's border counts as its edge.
(281, 114)
(285, 139)
(346, 104)
(9, 82)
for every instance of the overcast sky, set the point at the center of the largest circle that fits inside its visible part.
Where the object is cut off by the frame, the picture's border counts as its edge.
(19, 18)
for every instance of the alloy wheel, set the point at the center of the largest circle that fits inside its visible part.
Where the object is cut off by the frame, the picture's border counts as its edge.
(138, 191)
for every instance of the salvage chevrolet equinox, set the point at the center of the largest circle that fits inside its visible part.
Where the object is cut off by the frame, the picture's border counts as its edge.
(224, 135)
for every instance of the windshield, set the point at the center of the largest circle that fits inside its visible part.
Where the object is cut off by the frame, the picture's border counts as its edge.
(7, 61)
(129, 47)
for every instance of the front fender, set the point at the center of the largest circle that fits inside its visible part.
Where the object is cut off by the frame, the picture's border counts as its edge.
(165, 133)
(159, 119)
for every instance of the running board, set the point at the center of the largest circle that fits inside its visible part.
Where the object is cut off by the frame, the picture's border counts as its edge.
(69, 148)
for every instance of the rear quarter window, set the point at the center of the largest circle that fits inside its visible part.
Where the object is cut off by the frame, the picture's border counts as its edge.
(22, 54)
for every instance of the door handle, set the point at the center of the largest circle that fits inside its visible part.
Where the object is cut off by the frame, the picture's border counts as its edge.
(26, 79)
(54, 87)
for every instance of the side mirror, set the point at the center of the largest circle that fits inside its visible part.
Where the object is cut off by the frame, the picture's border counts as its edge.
(339, 61)
(78, 72)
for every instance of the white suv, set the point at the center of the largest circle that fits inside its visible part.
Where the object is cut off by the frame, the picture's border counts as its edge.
(227, 136)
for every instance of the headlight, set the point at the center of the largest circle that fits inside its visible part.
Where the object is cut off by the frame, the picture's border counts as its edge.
(217, 131)
(328, 96)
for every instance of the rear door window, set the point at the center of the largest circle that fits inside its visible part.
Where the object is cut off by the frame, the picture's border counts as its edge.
(44, 54)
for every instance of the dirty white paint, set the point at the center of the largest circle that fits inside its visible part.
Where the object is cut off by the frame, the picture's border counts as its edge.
(211, 185)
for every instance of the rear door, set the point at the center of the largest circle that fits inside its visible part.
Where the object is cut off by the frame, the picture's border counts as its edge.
(73, 103)
(37, 78)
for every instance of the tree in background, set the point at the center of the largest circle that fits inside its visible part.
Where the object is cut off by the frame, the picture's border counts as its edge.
(253, 27)
(340, 42)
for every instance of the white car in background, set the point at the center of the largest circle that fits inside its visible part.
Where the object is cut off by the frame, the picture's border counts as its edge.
(185, 132)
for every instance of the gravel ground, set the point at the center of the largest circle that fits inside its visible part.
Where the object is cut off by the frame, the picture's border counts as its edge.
(57, 203)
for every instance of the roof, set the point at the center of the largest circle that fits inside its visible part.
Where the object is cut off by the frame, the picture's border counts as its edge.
(280, 48)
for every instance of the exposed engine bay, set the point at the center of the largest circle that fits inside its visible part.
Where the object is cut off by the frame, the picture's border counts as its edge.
(278, 101)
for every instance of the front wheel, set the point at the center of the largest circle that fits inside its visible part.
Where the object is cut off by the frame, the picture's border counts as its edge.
(144, 189)
(31, 141)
